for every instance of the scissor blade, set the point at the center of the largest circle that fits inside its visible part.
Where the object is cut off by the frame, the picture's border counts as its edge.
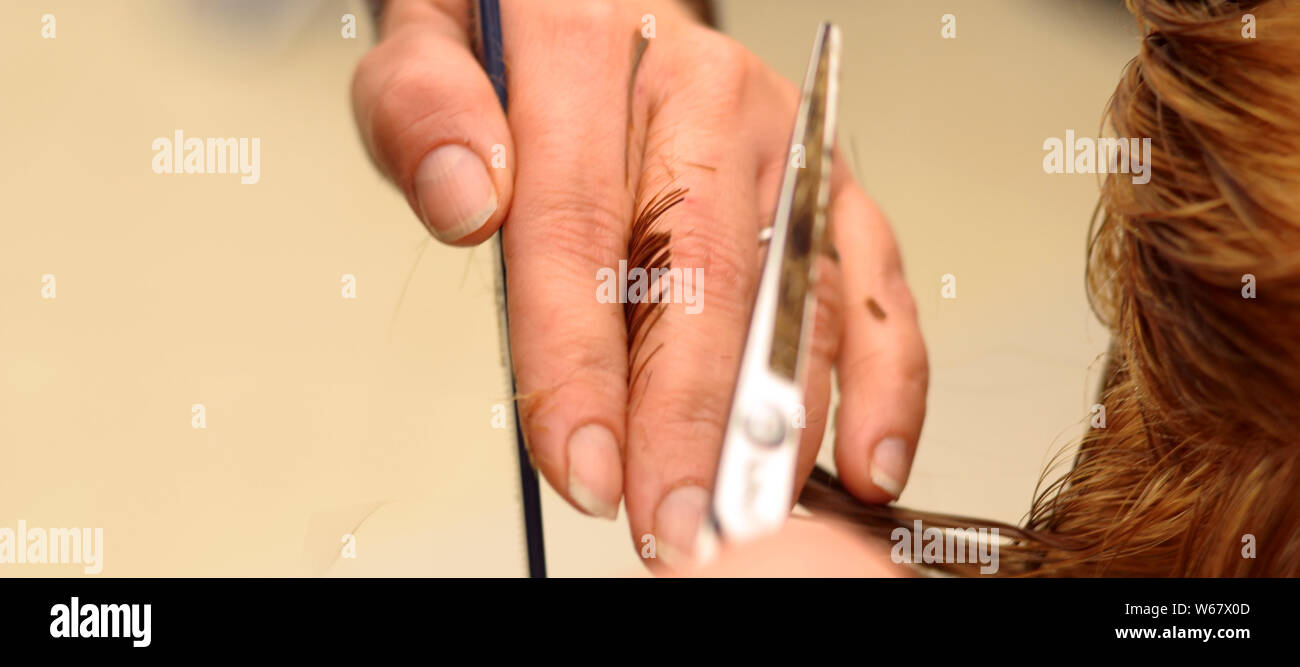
(800, 224)
(756, 468)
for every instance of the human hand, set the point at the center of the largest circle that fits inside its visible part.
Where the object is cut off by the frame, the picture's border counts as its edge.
(705, 114)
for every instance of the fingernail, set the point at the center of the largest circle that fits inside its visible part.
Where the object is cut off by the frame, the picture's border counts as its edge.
(595, 471)
(677, 524)
(890, 465)
(454, 192)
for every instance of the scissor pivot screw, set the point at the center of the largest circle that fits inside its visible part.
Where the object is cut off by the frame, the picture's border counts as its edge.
(765, 425)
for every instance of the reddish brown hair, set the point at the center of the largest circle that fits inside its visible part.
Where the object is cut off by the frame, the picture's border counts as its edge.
(1198, 458)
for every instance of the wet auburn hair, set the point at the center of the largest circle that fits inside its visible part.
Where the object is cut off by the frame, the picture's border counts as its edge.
(1197, 275)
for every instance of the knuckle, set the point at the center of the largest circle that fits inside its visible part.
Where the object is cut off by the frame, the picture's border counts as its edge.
(730, 58)
(907, 301)
(729, 275)
(365, 72)
(731, 69)
(690, 416)
(407, 113)
(398, 104)
(907, 366)
(364, 81)
(381, 66)
(583, 367)
(917, 372)
(580, 229)
(904, 301)
(576, 376)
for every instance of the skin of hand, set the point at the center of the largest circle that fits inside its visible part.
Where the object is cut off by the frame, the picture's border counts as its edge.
(572, 162)
(802, 548)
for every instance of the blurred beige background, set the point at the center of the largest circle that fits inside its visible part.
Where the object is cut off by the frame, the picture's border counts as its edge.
(372, 415)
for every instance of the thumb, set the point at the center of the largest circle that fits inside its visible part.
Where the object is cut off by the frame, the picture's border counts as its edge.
(432, 123)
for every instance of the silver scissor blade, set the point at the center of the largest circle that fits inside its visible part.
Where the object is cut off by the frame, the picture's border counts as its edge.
(800, 224)
(756, 468)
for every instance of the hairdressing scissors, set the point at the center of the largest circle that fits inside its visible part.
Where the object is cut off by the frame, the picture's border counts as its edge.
(753, 490)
